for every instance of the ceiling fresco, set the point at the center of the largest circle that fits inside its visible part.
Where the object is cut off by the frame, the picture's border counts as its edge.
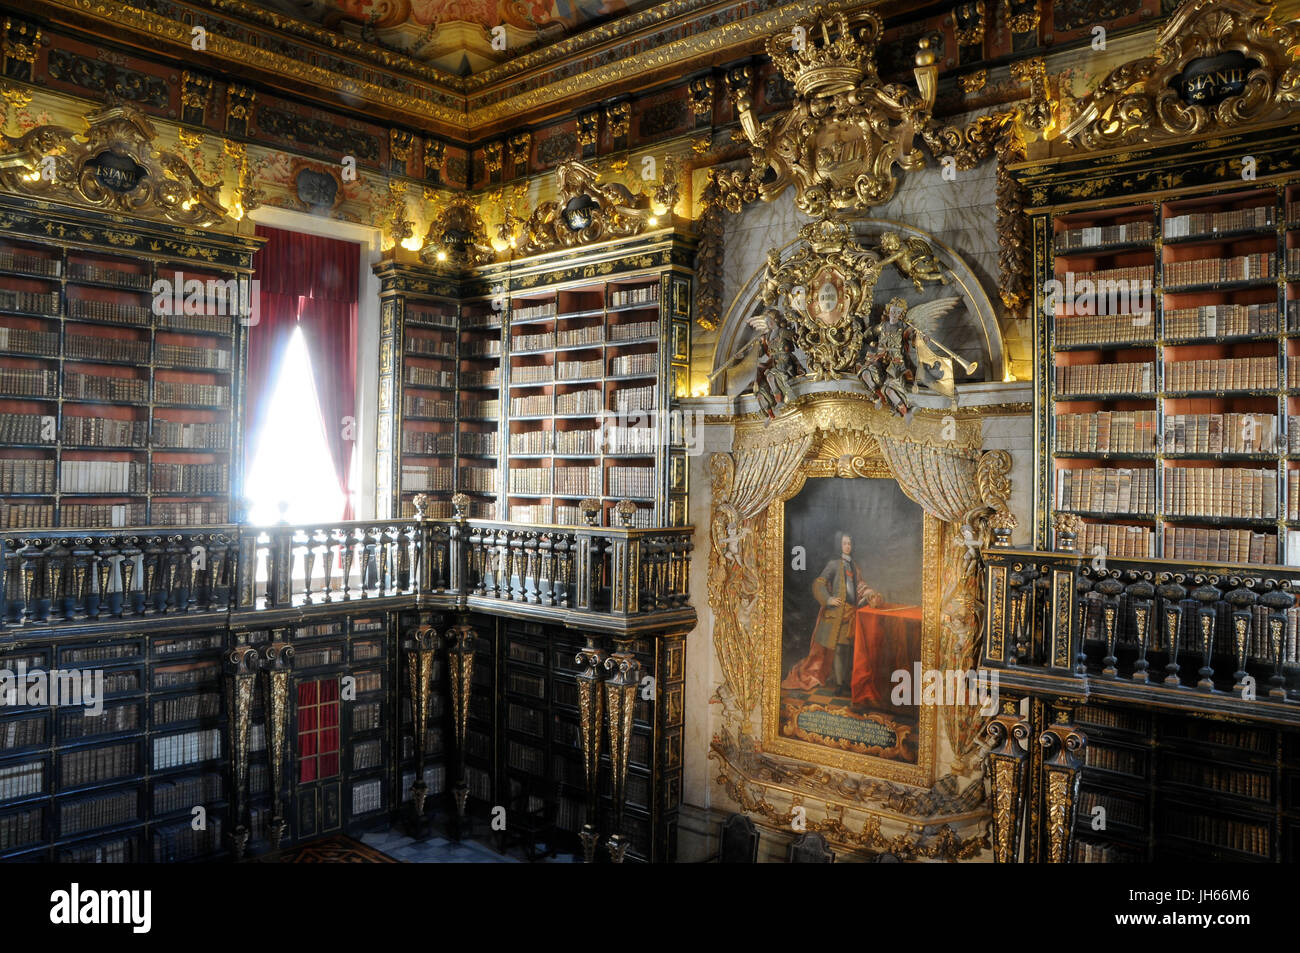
(459, 36)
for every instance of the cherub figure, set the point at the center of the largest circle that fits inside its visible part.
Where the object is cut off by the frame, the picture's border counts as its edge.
(905, 350)
(777, 366)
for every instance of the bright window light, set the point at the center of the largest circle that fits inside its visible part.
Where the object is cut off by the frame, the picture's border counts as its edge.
(293, 464)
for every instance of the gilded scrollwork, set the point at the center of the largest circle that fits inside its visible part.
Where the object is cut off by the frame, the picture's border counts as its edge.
(457, 237)
(113, 165)
(1218, 64)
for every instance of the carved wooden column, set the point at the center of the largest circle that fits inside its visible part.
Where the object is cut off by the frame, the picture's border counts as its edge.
(420, 649)
(277, 658)
(620, 702)
(1061, 742)
(591, 708)
(1007, 761)
(242, 663)
(460, 673)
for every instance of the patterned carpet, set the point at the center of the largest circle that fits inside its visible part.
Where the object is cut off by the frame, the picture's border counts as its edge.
(337, 849)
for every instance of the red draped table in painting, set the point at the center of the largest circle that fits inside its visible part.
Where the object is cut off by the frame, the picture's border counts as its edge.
(885, 639)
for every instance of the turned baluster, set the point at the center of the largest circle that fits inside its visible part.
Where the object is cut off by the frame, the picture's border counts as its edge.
(308, 566)
(1021, 583)
(1110, 588)
(1206, 616)
(365, 542)
(381, 552)
(152, 561)
(55, 569)
(1241, 599)
(81, 562)
(29, 557)
(1172, 596)
(127, 569)
(1278, 602)
(1139, 600)
(189, 567)
(349, 544)
(403, 559)
(329, 566)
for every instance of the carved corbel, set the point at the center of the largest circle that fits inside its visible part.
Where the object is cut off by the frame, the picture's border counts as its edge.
(239, 108)
(492, 160)
(702, 92)
(1008, 758)
(620, 703)
(618, 117)
(591, 710)
(520, 147)
(1037, 113)
(276, 660)
(434, 154)
(460, 672)
(242, 663)
(588, 131)
(196, 92)
(18, 45)
(1062, 745)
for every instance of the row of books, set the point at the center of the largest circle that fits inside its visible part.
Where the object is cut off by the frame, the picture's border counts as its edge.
(635, 398)
(195, 436)
(626, 298)
(21, 733)
(1119, 760)
(94, 347)
(37, 343)
(21, 828)
(167, 711)
(21, 780)
(1208, 271)
(578, 402)
(1074, 329)
(530, 513)
(11, 260)
(575, 441)
(535, 312)
(430, 347)
(542, 341)
(633, 439)
(576, 370)
(26, 476)
(1239, 373)
(42, 303)
(536, 405)
(101, 515)
(471, 318)
(1119, 431)
(1293, 262)
(1106, 490)
(1215, 320)
(172, 392)
(1092, 235)
(102, 387)
(1089, 852)
(1197, 544)
(102, 810)
(478, 479)
(103, 476)
(27, 515)
(632, 481)
(1219, 778)
(190, 477)
(430, 377)
(114, 718)
(1132, 275)
(480, 444)
(536, 441)
(191, 747)
(426, 478)
(367, 796)
(180, 841)
(182, 794)
(481, 347)
(1293, 497)
(531, 374)
(210, 323)
(84, 271)
(204, 358)
(634, 364)
(428, 407)
(104, 432)
(530, 480)
(1244, 836)
(29, 428)
(631, 332)
(573, 481)
(1129, 378)
(1220, 433)
(28, 382)
(1208, 491)
(435, 316)
(416, 441)
(367, 755)
(481, 409)
(108, 312)
(1208, 223)
(592, 334)
(91, 765)
(490, 378)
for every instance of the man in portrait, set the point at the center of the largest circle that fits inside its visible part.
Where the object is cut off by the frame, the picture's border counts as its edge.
(840, 590)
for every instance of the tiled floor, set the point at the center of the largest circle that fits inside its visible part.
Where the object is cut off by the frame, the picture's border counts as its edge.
(438, 849)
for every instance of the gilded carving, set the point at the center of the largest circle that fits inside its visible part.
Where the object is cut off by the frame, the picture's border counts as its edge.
(1218, 64)
(586, 211)
(113, 165)
(457, 237)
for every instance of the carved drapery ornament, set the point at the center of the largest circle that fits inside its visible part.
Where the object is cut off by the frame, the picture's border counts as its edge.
(1218, 64)
(113, 165)
(961, 490)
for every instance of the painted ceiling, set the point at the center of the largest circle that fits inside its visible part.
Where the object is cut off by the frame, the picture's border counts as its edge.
(457, 35)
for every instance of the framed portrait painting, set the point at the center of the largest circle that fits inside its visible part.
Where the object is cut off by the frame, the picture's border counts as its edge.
(852, 601)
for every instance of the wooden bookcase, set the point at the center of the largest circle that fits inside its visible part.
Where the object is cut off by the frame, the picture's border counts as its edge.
(1172, 403)
(116, 407)
(563, 387)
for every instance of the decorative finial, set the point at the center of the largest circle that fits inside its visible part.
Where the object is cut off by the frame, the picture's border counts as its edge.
(624, 511)
(460, 505)
(1066, 528)
(590, 510)
(421, 504)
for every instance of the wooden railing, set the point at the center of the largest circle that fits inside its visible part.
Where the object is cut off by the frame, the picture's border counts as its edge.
(1207, 636)
(603, 579)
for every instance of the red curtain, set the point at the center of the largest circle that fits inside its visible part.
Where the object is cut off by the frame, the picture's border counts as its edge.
(310, 282)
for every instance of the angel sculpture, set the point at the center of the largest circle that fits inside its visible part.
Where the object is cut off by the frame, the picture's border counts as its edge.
(905, 355)
(913, 258)
(777, 367)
